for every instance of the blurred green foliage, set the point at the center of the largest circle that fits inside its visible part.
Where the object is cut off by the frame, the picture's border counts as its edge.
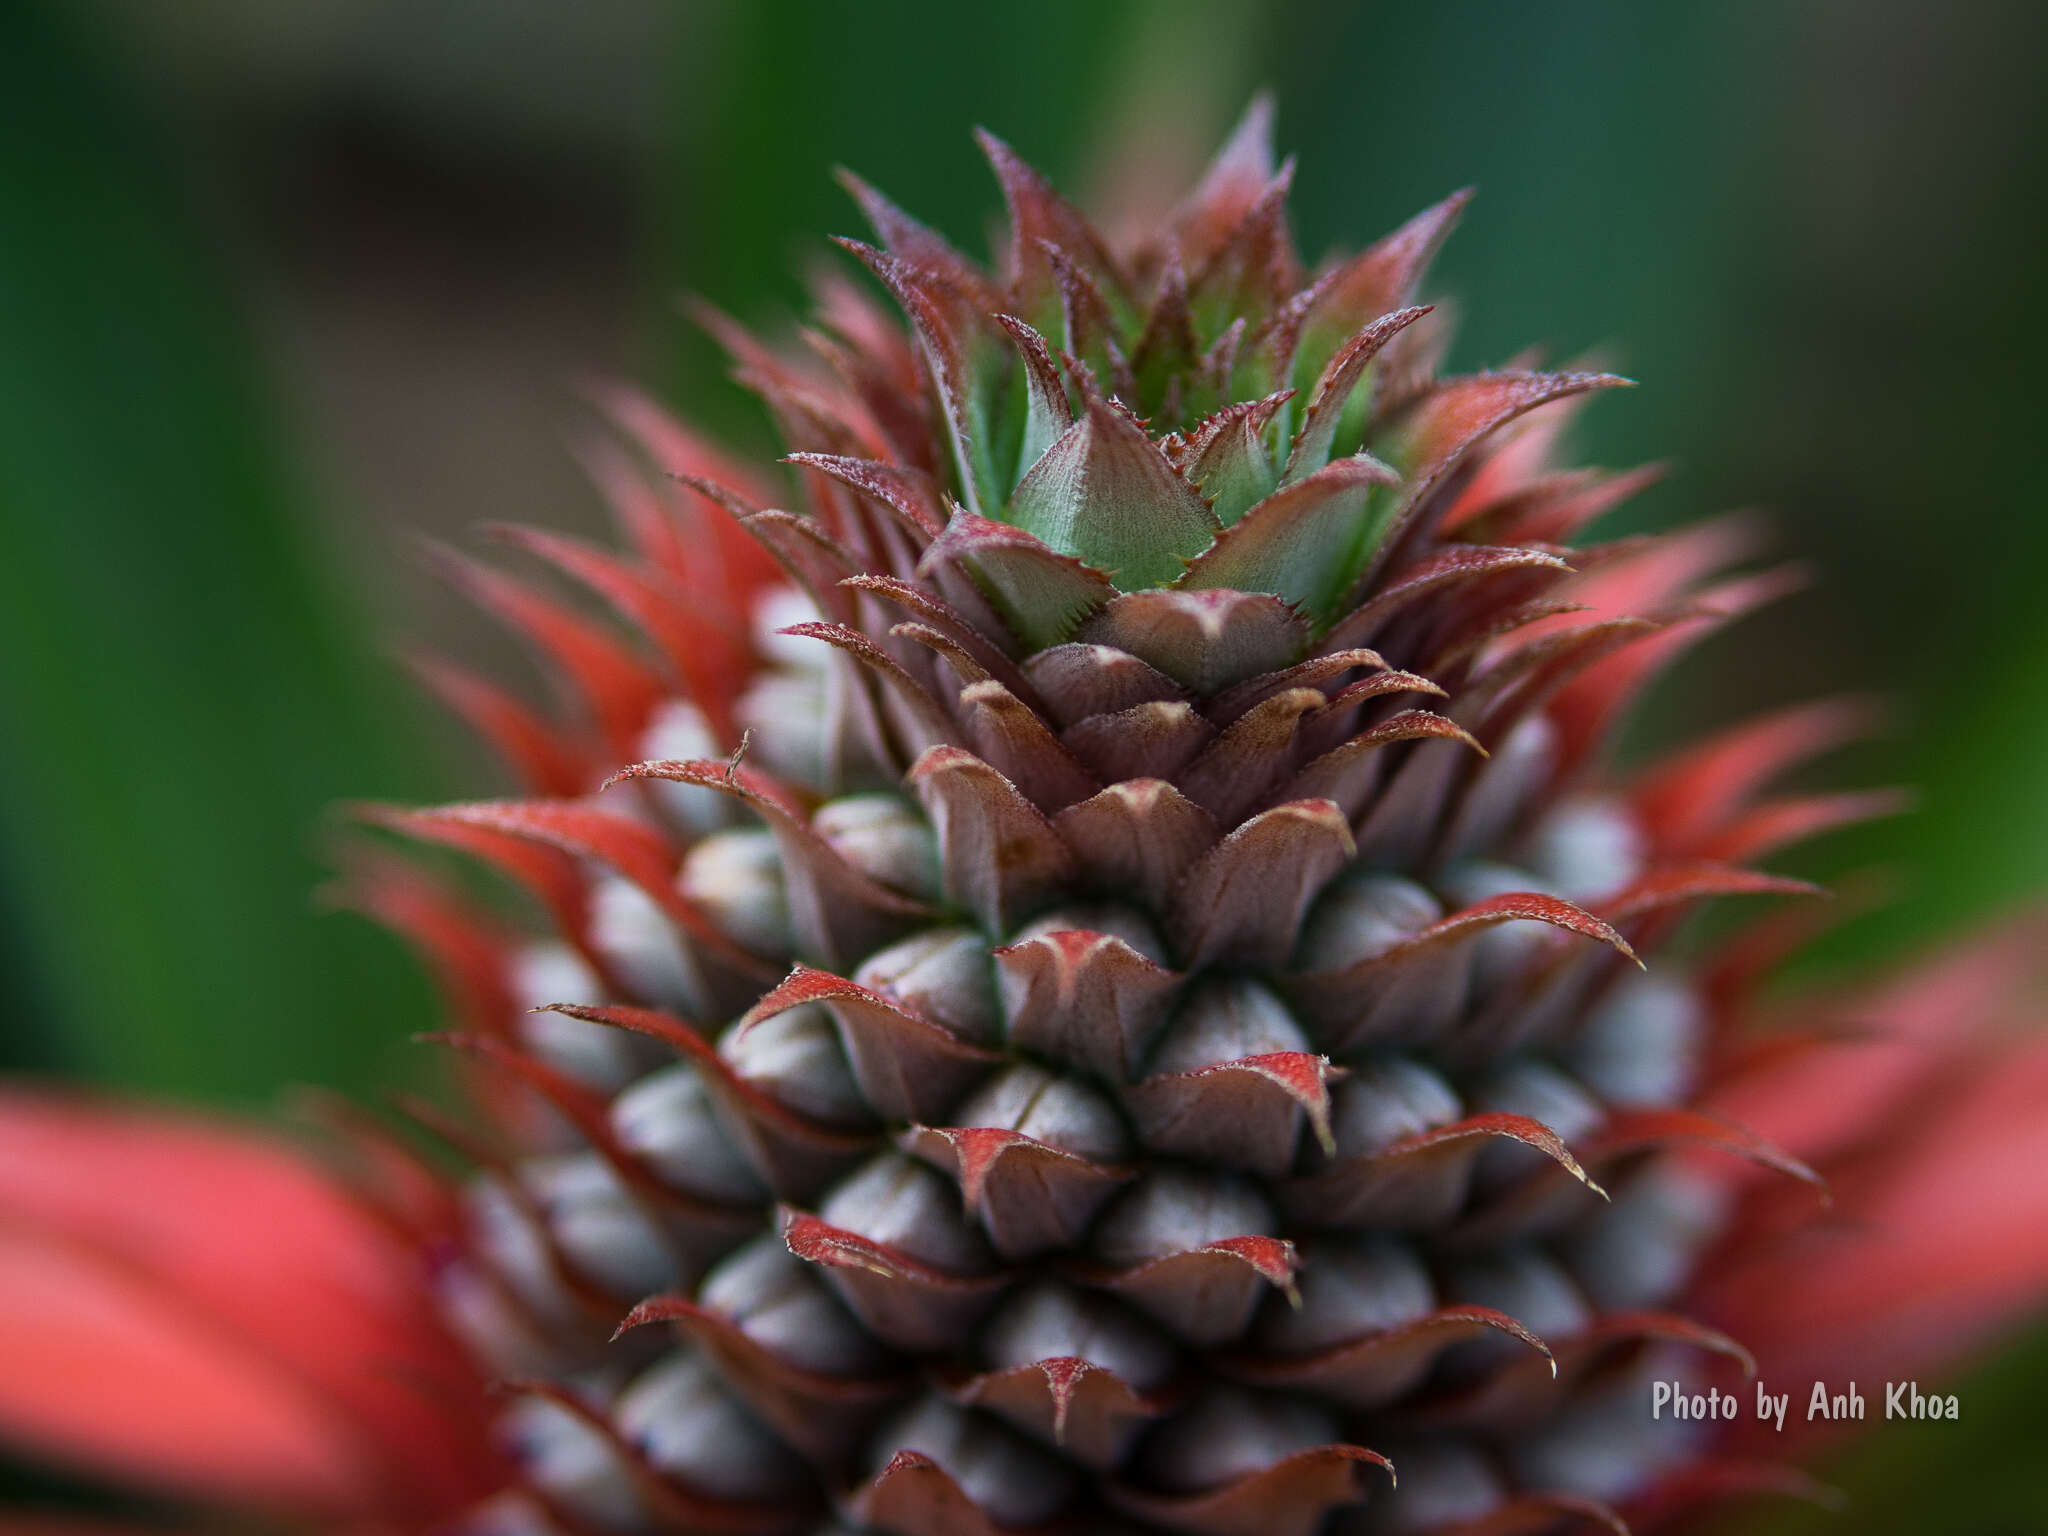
(183, 689)
(890, 90)
(1806, 227)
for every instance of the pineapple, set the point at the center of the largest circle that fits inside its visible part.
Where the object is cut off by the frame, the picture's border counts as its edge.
(1102, 982)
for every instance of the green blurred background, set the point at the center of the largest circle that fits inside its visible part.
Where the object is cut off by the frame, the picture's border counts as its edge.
(280, 282)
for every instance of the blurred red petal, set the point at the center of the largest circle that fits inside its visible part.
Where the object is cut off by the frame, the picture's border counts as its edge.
(1934, 1134)
(203, 1311)
(1823, 1100)
(1944, 1238)
(104, 1368)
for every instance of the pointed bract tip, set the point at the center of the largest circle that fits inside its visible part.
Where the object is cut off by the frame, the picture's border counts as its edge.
(655, 1309)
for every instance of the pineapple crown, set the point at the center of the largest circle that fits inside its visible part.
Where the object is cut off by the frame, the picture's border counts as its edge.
(1049, 1025)
(1142, 413)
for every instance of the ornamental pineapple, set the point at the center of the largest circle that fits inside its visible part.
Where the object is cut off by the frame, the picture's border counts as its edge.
(1101, 976)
